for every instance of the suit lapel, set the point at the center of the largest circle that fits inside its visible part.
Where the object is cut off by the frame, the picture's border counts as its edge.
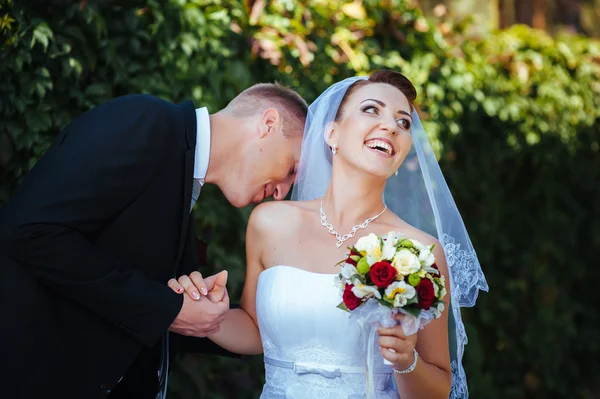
(190, 133)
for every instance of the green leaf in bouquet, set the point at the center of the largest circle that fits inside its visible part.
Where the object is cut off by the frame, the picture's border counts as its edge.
(385, 302)
(341, 262)
(413, 311)
(363, 266)
(343, 307)
(413, 300)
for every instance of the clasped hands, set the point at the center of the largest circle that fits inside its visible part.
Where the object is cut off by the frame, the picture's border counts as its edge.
(205, 303)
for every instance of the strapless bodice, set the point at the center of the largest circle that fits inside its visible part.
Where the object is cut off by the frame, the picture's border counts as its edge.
(311, 348)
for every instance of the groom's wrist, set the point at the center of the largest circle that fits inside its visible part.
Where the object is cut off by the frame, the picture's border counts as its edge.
(165, 307)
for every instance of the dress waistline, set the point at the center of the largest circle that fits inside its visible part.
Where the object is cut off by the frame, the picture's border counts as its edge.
(325, 370)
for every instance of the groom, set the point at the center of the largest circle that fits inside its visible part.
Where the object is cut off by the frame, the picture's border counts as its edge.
(96, 229)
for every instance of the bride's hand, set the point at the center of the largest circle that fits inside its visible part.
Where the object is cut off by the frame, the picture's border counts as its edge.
(213, 287)
(395, 346)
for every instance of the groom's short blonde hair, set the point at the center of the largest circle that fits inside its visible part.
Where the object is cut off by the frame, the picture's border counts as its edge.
(290, 105)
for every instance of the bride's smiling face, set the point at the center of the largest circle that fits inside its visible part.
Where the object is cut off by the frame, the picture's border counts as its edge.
(372, 130)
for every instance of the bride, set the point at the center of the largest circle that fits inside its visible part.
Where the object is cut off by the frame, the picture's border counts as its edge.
(366, 167)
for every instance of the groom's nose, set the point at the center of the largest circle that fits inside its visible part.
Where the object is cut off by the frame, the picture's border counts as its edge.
(281, 191)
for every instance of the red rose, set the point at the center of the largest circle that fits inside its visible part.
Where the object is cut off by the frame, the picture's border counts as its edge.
(383, 274)
(350, 260)
(435, 266)
(350, 300)
(426, 293)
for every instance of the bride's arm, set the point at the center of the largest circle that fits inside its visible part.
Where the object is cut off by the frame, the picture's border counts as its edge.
(238, 332)
(431, 378)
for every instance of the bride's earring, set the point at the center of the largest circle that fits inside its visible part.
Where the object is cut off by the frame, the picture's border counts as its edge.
(396, 172)
(334, 149)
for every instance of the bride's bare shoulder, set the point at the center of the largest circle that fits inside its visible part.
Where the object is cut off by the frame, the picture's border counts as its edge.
(279, 216)
(410, 231)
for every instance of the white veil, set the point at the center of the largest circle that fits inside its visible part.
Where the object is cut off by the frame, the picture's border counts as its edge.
(419, 195)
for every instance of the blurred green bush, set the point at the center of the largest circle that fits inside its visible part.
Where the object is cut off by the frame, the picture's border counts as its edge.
(513, 116)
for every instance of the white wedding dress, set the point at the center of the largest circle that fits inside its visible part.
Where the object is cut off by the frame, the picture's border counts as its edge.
(312, 349)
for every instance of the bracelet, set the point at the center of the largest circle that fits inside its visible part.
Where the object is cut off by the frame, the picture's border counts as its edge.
(412, 366)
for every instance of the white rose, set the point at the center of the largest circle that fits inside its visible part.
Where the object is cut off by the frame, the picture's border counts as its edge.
(406, 262)
(400, 292)
(362, 291)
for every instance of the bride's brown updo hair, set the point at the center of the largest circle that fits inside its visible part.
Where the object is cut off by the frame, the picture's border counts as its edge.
(386, 76)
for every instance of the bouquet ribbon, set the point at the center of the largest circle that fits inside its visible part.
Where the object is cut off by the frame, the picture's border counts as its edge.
(369, 317)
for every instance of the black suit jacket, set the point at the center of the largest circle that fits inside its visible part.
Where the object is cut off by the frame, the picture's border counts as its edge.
(87, 244)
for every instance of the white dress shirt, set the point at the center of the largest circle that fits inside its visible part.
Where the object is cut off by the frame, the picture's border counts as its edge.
(202, 152)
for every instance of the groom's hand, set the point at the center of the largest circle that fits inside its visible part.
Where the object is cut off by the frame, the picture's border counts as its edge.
(200, 315)
(200, 318)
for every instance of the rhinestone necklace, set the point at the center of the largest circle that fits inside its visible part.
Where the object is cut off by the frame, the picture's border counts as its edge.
(341, 238)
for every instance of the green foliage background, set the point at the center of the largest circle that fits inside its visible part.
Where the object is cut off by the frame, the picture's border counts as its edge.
(513, 116)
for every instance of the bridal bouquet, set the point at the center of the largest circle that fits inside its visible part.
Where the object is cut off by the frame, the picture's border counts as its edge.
(385, 275)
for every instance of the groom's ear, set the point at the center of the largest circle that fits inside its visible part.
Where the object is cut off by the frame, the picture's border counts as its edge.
(270, 122)
(329, 133)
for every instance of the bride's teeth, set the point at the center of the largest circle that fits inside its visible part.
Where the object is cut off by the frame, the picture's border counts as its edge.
(380, 144)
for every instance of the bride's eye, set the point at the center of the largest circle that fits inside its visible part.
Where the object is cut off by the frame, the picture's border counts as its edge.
(370, 109)
(404, 124)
